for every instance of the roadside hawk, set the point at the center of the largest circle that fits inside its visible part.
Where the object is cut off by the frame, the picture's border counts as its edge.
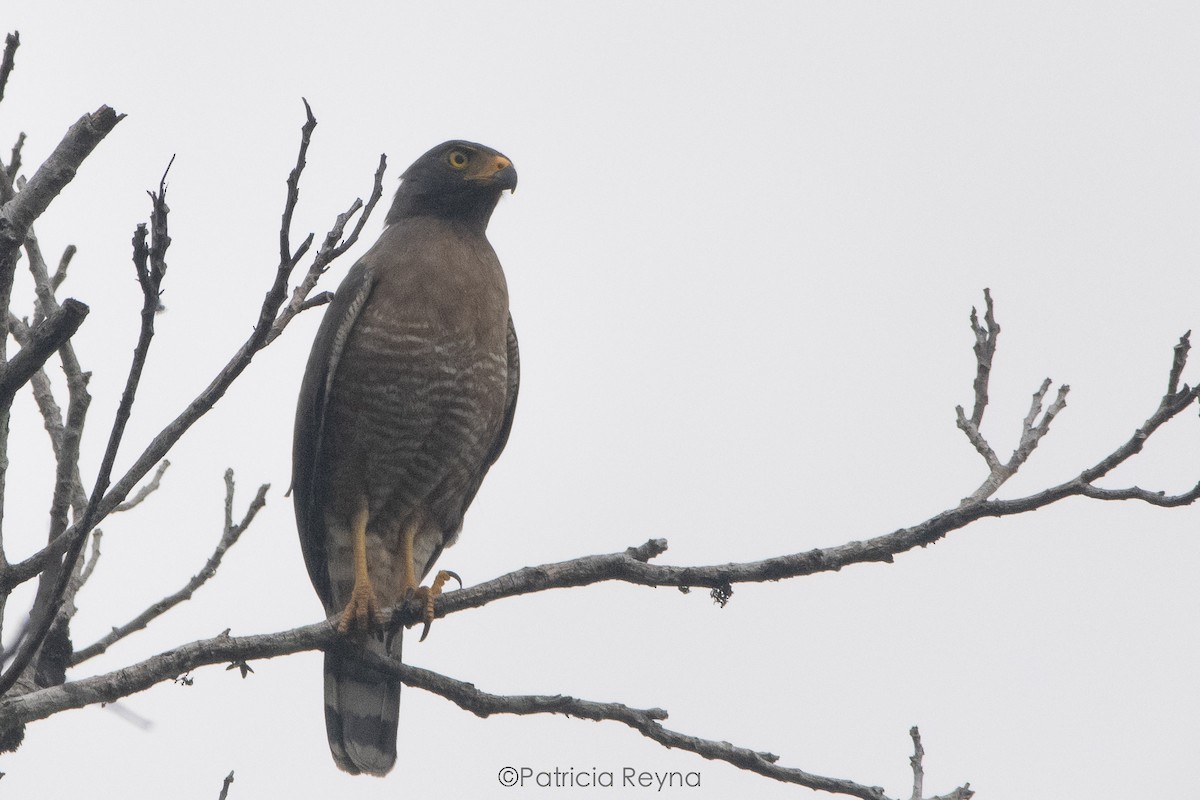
(407, 400)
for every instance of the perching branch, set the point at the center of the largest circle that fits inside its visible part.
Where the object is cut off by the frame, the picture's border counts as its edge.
(75, 515)
(633, 566)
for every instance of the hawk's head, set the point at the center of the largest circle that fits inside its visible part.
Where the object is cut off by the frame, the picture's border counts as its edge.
(457, 180)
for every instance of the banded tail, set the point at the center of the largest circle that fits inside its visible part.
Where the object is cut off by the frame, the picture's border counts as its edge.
(362, 706)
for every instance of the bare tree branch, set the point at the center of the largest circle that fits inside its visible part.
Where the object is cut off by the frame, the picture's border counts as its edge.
(631, 566)
(37, 670)
(47, 606)
(90, 567)
(228, 649)
(1157, 498)
(985, 348)
(229, 537)
(330, 250)
(286, 256)
(1032, 430)
(147, 490)
(11, 42)
(60, 274)
(316, 300)
(8, 174)
(54, 601)
(19, 213)
(266, 329)
(43, 341)
(43, 394)
(918, 768)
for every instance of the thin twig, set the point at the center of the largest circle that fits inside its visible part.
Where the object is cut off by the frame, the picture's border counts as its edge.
(225, 786)
(332, 248)
(11, 42)
(1155, 498)
(45, 611)
(985, 348)
(1178, 362)
(1032, 430)
(971, 429)
(229, 537)
(64, 263)
(146, 490)
(316, 300)
(160, 240)
(918, 769)
(286, 256)
(8, 174)
(90, 567)
(14, 158)
(266, 328)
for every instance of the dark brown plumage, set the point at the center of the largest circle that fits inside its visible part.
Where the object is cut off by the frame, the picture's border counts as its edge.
(407, 400)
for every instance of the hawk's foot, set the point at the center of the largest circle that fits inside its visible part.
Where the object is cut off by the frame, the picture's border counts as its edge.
(429, 594)
(362, 612)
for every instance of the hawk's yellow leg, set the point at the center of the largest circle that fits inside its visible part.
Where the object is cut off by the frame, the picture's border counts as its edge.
(427, 594)
(363, 609)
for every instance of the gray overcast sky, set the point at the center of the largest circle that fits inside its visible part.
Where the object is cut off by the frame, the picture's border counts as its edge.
(741, 259)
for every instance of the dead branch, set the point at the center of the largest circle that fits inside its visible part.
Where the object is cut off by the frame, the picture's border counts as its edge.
(90, 567)
(43, 394)
(11, 42)
(229, 537)
(985, 349)
(43, 342)
(331, 249)
(224, 649)
(265, 330)
(64, 263)
(18, 214)
(633, 566)
(8, 174)
(47, 604)
(150, 488)
(62, 570)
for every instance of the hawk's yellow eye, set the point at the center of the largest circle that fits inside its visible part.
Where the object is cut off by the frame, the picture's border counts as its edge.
(458, 159)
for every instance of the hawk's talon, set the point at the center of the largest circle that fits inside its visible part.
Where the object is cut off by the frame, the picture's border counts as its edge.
(362, 611)
(429, 594)
(440, 580)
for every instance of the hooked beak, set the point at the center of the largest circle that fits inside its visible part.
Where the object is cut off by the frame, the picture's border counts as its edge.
(497, 171)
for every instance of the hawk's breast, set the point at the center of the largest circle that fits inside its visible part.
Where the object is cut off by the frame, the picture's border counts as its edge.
(419, 393)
